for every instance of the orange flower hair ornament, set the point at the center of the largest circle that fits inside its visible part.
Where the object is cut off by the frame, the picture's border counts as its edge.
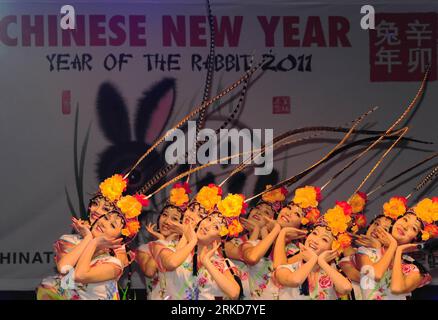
(275, 197)
(209, 196)
(179, 195)
(130, 207)
(426, 211)
(430, 231)
(307, 197)
(342, 242)
(311, 216)
(338, 219)
(395, 207)
(358, 202)
(231, 207)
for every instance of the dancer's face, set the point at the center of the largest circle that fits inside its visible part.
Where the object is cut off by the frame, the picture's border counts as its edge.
(169, 214)
(99, 206)
(258, 212)
(383, 222)
(406, 229)
(110, 225)
(193, 214)
(319, 240)
(290, 216)
(209, 229)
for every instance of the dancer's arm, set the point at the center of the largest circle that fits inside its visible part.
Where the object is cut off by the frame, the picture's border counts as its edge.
(401, 283)
(280, 256)
(85, 273)
(253, 254)
(173, 259)
(279, 251)
(381, 266)
(342, 284)
(294, 279)
(225, 280)
(233, 250)
(147, 264)
(65, 259)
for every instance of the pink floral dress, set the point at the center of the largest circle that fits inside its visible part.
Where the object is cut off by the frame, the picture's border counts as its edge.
(381, 290)
(63, 286)
(262, 285)
(173, 285)
(206, 287)
(321, 286)
(152, 286)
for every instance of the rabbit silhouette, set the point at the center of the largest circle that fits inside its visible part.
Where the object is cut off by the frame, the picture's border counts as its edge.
(154, 109)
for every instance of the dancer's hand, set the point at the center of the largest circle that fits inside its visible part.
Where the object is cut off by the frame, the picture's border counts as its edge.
(270, 224)
(294, 233)
(385, 238)
(81, 227)
(190, 234)
(307, 253)
(369, 242)
(176, 227)
(207, 254)
(103, 243)
(248, 224)
(151, 229)
(328, 256)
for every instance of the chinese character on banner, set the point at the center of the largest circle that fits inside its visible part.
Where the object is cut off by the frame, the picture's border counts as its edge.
(402, 46)
(281, 105)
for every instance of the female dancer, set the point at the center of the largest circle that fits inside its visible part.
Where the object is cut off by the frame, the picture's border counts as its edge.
(312, 273)
(86, 267)
(216, 276)
(254, 254)
(158, 284)
(349, 264)
(180, 262)
(390, 274)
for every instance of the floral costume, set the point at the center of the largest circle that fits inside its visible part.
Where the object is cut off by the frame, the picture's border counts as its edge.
(205, 286)
(63, 287)
(261, 282)
(177, 284)
(151, 283)
(321, 287)
(382, 290)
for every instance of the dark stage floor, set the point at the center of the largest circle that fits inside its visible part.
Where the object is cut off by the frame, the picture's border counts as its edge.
(425, 293)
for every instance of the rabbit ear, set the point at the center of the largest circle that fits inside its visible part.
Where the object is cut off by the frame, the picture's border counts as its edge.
(154, 109)
(113, 114)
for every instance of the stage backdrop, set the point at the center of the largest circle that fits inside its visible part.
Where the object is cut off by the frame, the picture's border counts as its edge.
(132, 69)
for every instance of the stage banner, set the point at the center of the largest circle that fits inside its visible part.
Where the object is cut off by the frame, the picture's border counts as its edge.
(78, 105)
